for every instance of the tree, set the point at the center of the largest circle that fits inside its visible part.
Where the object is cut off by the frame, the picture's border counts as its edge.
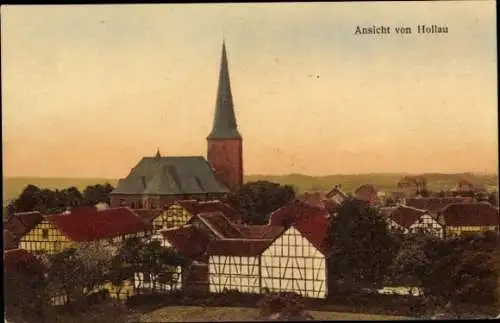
(461, 271)
(28, 200)
(25, 289)
(94, 194)
(69, 197)
(256, 200)
(361, 247)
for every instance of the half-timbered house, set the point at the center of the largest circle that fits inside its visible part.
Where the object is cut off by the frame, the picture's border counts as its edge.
(408, 219)
(60, 231)
(180, 212)
(19, 224)
(463, 218)
(366, 193)
(433, 204)
(235, 264)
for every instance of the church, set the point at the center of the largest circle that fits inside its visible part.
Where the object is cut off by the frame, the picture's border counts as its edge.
(160, 180)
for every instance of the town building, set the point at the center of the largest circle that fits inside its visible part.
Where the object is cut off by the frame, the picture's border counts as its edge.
(367, 193)
(160, 180)
(60, 231)
(464, 218)
(412, 220)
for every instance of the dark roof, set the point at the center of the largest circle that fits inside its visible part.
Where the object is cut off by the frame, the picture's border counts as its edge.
(292, 212)
(219, 225)
(187, 240)
(14, 257)
(470, 214)
(22, 223)
(147, 215)
(260, 231)
(81, 226)
(317, 198)
(224, 126)
(171, 176)
(405, 216)
(196, 207)
(9, 240)
(238, 247)
(433, 204)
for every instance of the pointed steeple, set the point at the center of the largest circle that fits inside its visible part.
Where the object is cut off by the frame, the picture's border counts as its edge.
(224, 126)
(158, 155)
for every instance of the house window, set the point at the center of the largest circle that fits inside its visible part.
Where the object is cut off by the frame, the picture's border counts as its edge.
(45, 233)
(158, 226)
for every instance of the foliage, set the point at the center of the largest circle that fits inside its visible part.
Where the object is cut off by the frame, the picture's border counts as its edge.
(257, 199)
(25, 282)
(94, 194)
(46, 201)
(151, 259)
(361, 247)
(77, 272)
(461, 270)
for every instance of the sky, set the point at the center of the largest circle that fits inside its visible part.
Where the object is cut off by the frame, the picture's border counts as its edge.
(88, 90)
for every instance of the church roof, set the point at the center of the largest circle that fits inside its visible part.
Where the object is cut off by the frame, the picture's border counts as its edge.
(224, 126)
(171, 176)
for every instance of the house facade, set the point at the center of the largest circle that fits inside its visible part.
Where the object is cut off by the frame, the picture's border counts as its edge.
(408, 219)
(464, 218)
(60, 231)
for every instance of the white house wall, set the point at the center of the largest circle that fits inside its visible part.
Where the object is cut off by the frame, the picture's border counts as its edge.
(234, 273)
(429, 224)
(293, 264)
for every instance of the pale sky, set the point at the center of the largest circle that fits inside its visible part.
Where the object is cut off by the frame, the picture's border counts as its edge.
(89, 90)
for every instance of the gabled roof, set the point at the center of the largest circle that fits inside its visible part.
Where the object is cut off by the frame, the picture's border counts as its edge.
(470, 214)
(196, 207)
(316, 199)
(22, 223)
(405, 216)
(260, 231)
(219, 224)
(80, 226)
(171, 176)
(292, 212)
(311, 222)
(187, 240)
(433, 204)
(147, 215)
(238, 247)
(14, 257)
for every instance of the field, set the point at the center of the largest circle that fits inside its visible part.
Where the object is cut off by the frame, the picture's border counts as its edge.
(383, 182)
(239, 314)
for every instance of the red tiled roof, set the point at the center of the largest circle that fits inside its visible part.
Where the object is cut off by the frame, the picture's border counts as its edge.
(238, 247)
(433, 204)
(310, 221)
(220, 225)
(187, 240)
(367, 193)
(470, 214)
(14, 257)
(316, 199)
(260, 231)
(147, 215)
(196, 207)
(91, 225)
(22, 223)
(405, 216)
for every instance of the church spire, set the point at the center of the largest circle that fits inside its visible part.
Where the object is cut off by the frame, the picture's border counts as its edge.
(158, 155)
(224, 126)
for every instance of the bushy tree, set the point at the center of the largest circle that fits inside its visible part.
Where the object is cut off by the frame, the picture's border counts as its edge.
(361, 247)
(94, 194)
(256, 200)
(24, 286)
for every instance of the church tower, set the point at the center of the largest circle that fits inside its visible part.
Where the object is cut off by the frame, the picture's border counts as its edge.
(225, 149)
